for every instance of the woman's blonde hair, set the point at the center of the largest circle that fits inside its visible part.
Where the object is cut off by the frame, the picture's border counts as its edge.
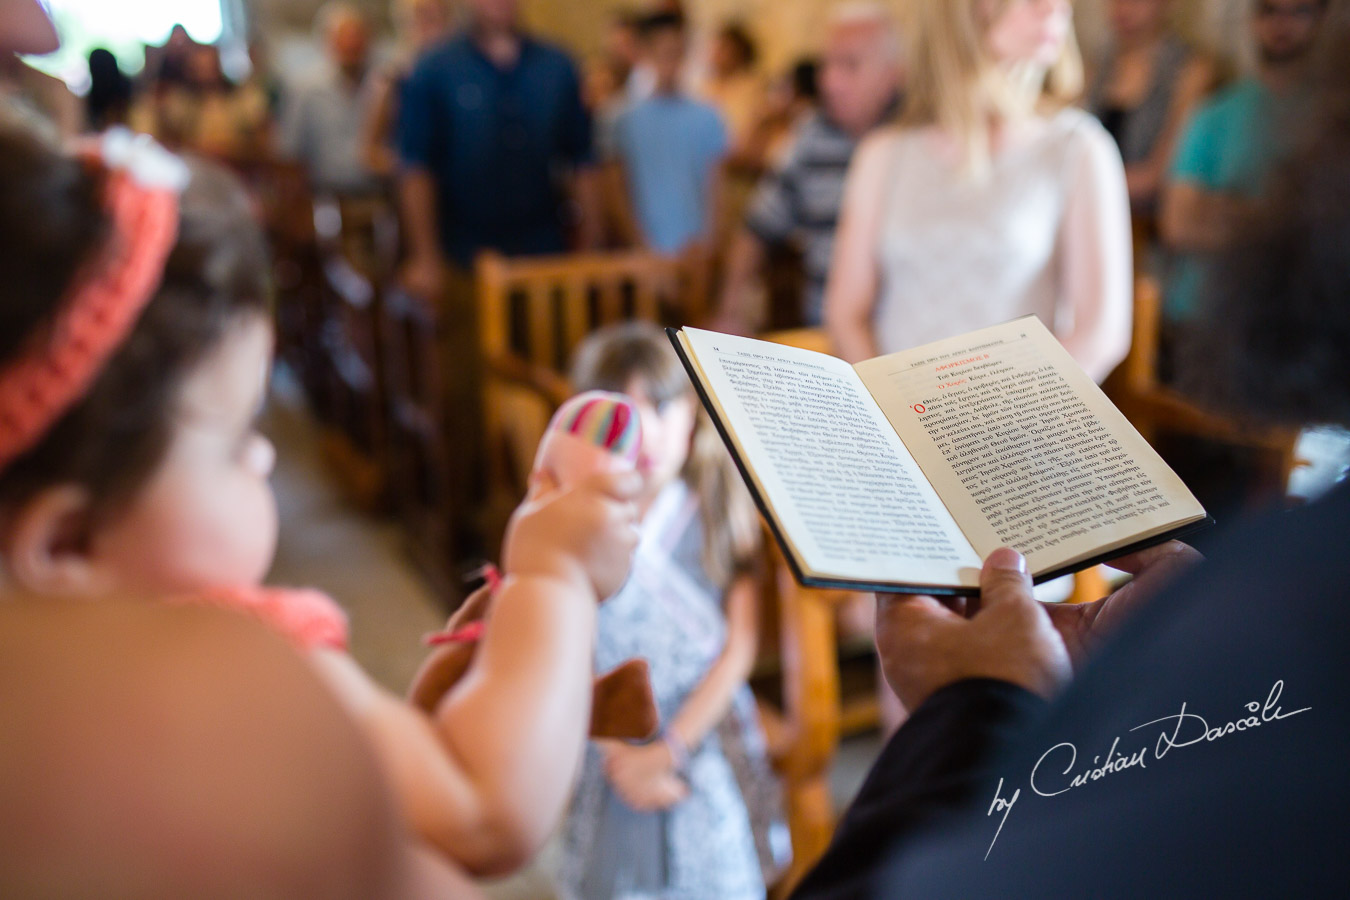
(956, 84)
(614, 357)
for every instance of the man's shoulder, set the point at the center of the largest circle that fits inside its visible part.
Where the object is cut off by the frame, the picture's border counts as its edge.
(819, 142)
(1231, 105)
(546, 53)
(316, 79)
(702, 112)
(449, 54)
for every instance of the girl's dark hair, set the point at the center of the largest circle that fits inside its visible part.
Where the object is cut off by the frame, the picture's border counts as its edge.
(1276, 311)
(610, 360)
(52, 225)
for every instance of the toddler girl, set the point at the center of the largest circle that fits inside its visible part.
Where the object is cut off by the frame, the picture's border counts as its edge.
(693, 814)
(134, 349)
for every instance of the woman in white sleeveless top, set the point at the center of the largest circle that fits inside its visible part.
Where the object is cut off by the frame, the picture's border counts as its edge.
(991, 200)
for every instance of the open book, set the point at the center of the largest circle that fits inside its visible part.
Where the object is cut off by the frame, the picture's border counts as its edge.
(903, 472)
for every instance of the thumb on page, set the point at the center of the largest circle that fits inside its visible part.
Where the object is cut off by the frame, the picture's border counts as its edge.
(1005, 579)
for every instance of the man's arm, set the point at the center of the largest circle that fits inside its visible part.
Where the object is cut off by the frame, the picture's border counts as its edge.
(932, 765)
(621, 201)
(1197, 220)
(771, 219)
(587, 196)
(578, 149)
(424, 272)
(973, 685)
(1194, 215)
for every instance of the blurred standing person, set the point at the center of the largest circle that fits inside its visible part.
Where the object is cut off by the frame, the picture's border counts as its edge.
(495, 153)
(669, 149)
(734, 86)
(1148, 87)
(202, 111)
(167, 64)
(791, 100)
(322, 120)
(419, 26)
(993, 199)
(623, 50)
(492, 134)
(859, 82)
(610, 82)
(1227, 150)
(109, 99)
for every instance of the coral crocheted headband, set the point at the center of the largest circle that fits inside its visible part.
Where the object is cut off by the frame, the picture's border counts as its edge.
(57, 368)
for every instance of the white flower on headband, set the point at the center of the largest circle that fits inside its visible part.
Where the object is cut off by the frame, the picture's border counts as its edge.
(149, 164)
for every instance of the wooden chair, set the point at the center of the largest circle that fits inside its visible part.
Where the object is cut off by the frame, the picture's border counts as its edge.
(279, 191)
(357, 244)
(427, 499)
(532, 314)
(1156, 409)
(801, 717)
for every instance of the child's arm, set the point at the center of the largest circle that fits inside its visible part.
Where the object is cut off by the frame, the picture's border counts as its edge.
(486, 778)
(630, 767)
(709, 702)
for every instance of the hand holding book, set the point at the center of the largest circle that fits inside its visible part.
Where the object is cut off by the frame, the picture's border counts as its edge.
(902, 473)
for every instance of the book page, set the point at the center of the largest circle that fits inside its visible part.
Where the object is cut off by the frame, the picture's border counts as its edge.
(1024, 448)
(847, 494)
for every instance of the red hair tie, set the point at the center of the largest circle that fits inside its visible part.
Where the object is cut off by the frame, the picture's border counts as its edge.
(60, 364)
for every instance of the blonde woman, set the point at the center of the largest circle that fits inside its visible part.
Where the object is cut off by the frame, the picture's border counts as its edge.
(992, 199)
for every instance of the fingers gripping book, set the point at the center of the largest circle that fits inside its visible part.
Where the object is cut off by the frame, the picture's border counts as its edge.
(903, 472)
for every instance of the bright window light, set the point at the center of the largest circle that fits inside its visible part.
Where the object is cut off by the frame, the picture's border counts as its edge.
(125, 27)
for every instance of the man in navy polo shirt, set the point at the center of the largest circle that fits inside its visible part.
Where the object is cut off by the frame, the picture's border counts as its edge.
(492, 135)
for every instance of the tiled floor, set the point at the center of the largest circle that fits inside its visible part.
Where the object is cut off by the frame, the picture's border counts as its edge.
(359, 560)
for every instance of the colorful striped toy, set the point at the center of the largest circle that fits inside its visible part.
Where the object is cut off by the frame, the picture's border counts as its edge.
(592, 432)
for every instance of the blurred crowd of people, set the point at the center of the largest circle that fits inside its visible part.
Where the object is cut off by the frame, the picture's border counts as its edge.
(672, 138)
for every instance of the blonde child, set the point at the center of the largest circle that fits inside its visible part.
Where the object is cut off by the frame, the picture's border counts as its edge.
(134, 349)
(692, 814)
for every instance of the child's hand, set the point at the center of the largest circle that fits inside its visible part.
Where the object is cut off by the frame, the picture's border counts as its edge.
(584, 533)
(643, 777)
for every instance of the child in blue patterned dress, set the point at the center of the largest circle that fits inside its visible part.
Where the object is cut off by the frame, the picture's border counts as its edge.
(695, 813)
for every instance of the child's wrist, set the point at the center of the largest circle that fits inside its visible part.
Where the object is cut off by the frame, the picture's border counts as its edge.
(559, 568)
(553, 581)
(678, 751)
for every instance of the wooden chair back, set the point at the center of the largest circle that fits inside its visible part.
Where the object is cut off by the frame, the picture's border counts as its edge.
(357, 243)
(538, 310)
(279, 192)
(424, 493)
(532, 314)
(802, 728)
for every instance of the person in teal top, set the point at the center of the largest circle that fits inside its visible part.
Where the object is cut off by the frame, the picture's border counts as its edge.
(670, 148)
(1227, 149)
